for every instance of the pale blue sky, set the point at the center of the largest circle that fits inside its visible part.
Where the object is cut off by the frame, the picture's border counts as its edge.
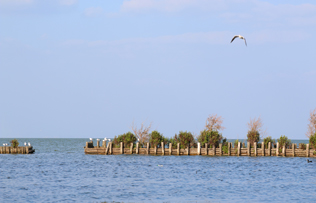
(71, 68)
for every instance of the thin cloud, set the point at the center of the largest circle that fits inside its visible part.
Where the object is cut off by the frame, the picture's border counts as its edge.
(15, 2)
(253, 10)
(93, 11)
(67, 2)
(170, 5)
(192, 38)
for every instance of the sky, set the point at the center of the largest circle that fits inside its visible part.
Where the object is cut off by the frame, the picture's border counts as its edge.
(81, 69)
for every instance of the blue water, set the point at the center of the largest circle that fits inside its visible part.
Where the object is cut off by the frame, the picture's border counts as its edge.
(59, 171)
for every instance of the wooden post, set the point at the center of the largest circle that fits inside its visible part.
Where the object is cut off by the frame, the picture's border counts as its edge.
(98, 143)
(293, 149)
(238, 149)
(269, 149)
(122, 148)
(214, 150)
(178, 148)
(243, 145)
(300, 145)
(206, 149)
(277, 150)
(131, 148)
(262, 148)
(107, 148)
(148, 152)
(170, 148)
(220, 149)
(188, 149)
(199, 148)
(255, 147)
(163, 148)
(229, 144)
(283, 150)
(87, 144)
(248, 149)
(104, 144)
(110, 143)
(307, 150)
(137, 148)
(155, 150)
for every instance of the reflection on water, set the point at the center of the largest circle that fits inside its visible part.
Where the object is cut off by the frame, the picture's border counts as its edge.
(60, 171)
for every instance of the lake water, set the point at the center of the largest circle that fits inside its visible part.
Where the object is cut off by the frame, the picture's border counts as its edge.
(59, 171)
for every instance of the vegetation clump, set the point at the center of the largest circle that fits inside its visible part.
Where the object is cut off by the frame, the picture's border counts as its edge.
(210, 135)
(184, 138)
(311, 130)
(225, 146)
(14, 143)
(236, 143)
(253, 134)
(284, 141)
(142, 133)
(267, 140)
(126, 138)
(157, 138)
(312, 141)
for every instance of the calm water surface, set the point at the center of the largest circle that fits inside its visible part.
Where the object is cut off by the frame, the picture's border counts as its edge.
(59, 171)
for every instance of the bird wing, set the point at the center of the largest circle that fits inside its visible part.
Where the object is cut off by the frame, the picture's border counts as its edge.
(245, 41)
(234, 38)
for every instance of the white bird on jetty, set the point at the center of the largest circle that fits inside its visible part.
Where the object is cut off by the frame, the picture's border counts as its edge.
(29, 144)
(240, 37)
(3, 144)
(109, 140)
(90, 139)
(24, 143)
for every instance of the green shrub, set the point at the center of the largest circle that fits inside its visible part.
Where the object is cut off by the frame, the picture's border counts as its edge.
(267, 140)
(284, 141)
(155, 139)
(253, 136)
(312, 141)
(126, 138)
(225, 146)
(14, 143)
(210, 137)
(173, 142)
(302, 146)
(184, 138)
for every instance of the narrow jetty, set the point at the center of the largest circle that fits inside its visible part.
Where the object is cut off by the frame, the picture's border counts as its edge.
(230, 150)
(17, 150)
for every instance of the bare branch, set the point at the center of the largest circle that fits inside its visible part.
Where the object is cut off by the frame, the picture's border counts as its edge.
(214, 123)
(255, 125)
(141, 133)
(311, 129)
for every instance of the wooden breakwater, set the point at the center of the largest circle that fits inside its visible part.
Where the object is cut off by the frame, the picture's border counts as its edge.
(17, 150)
(230, 150)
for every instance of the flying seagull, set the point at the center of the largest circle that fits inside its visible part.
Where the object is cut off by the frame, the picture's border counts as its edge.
(240, 37)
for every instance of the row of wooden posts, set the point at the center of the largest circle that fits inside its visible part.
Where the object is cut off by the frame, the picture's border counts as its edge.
(17, 150)
(239, 151)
